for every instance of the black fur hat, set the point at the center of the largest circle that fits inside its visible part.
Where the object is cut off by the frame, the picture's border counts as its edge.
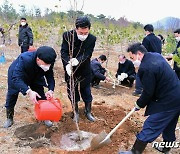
(47, 54)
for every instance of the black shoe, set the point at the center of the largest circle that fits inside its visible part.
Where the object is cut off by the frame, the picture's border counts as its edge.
(10, 114)
(87, 111)
(48, 123)
(137, 148)
(163, 150)
(8, 123)
(135, 93)
(130, 85)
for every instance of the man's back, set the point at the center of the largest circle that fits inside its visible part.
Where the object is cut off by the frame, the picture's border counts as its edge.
(161, 85)
(152, 43)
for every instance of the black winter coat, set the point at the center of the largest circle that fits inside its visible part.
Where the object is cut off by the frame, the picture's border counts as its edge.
(82, 51)
(97, 70)
(24, 72)
(152, 43)
(25, 37)
(161, 86)
(127, 67)
(176, 68)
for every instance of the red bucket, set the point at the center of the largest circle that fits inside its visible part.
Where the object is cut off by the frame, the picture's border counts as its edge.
(48, 109)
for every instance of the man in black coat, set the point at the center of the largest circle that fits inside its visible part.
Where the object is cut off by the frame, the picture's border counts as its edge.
(153, 44)
(3, 35)
(177, 36)
(176, 68)
(160, 96)
(26, 75)
(126, 72)
(25, 37)
(76, 50)
(98, 71)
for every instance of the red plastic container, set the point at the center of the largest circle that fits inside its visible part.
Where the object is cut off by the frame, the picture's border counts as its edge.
(48, 109)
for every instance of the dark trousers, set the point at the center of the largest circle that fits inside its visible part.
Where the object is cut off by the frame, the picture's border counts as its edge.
(95, 80)
(12, 95)
(85, 91)
(164, 122)
(129, 80)
(138, 85)
(24, 48)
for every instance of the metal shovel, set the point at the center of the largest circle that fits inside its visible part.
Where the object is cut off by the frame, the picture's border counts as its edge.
(103, 138)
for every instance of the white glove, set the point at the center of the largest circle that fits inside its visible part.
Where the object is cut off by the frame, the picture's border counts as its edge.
(125, 75)
(68, 69)
(49, 94)
(32, 95)
(120, 78)
(74, 62)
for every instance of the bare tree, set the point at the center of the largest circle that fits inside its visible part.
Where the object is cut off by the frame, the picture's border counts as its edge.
(70, 39)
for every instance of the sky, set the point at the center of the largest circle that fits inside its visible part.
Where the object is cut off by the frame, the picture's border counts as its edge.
(134, 10)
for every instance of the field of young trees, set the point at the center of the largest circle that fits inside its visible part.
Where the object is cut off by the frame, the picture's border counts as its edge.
(51, 24)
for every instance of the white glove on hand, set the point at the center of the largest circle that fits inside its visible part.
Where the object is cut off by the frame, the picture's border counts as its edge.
(74, 62)
(120, 78)
(49, 94)
(125, 75)
(137, 108)
(32, 95)
(68, 69)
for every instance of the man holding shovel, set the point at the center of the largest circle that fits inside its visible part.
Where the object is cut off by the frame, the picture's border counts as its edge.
(160, 96)
(26, 75)
(76, 50)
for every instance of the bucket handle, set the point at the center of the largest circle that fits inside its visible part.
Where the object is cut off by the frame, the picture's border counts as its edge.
(52, 100)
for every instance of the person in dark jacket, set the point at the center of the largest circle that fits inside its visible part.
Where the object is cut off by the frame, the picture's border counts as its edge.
(25, 37)
(126, 72)
(76, 50)
(3, 34)
(161, 38)
(160, 96)
(176, 68)
(177, 36)
(98, 72)
(26, 75)
(153, 44)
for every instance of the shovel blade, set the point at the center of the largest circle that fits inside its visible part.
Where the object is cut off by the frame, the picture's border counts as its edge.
(96, 142)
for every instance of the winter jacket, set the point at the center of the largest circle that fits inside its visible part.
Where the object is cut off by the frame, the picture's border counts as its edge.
(25, 37)
(176, 67)
(80, 50)
(152, 43)
(97, 69)
(24, 72)
(127, 67)
(161, 86)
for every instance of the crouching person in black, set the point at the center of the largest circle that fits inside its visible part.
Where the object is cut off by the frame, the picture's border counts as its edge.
(126, 71)
(26, 75)
(98, 71)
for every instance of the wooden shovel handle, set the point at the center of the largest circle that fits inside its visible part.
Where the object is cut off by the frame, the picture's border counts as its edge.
(121, 122)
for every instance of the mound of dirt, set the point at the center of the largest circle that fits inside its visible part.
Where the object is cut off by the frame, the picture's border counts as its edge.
(107, 119)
